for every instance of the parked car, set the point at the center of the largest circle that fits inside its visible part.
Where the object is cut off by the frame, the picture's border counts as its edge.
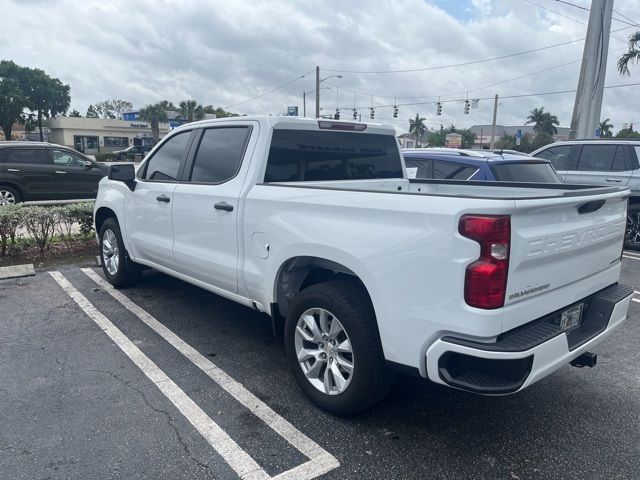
(130, 152)
(601, 162)
(453, 164)
(45, 171)
(485, 287)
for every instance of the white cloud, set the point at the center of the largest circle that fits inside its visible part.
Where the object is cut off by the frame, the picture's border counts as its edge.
(221, 53)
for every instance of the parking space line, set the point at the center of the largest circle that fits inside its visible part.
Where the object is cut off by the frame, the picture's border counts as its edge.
(239, 460)
(320, 461)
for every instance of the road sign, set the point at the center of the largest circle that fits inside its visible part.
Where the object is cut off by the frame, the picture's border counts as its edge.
(518, 140)
(453, 140)
(518, 133)
(292, 111)
(598, 132)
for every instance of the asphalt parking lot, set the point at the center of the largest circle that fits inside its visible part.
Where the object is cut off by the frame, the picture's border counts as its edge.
(164, 380)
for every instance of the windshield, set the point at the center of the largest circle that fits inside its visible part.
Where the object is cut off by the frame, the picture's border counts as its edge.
(524, 171)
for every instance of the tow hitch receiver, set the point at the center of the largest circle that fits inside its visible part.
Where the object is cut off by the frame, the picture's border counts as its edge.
(587, 359)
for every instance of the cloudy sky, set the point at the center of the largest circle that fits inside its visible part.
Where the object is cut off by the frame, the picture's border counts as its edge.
(226, 52)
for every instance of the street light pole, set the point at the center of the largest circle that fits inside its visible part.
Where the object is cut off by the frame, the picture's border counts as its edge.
(493, 125)
(304, 104)
(317, 91)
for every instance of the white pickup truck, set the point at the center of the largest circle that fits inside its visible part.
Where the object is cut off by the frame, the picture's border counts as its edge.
(485, 287)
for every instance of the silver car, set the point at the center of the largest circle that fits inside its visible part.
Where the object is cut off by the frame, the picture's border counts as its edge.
(601, 162)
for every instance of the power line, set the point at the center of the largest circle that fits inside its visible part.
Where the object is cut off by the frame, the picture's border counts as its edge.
(634, 24)
(625, 17)
(270, 91)
(473, 62)
(554, 11)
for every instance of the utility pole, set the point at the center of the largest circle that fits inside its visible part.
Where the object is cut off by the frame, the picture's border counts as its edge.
(588, 103)
(304, 104)
(492, 144)
(317, 92)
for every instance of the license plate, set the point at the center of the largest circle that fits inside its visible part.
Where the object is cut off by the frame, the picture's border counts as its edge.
(570, 318)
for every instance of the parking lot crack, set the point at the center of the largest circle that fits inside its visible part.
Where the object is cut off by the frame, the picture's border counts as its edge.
(170, 419)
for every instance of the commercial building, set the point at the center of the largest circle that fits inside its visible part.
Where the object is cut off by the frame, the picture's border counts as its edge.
(98, 135)
(483, 133)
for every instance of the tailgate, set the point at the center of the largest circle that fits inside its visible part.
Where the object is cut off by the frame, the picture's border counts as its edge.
(558, 241)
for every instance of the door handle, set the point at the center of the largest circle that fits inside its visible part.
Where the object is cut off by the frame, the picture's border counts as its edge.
(12, 170)
(617, 180)
(163, 198)
(223, 206)
(61, 172)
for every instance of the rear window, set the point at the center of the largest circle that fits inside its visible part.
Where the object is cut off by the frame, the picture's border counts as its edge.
(525, 172)
(306, 155)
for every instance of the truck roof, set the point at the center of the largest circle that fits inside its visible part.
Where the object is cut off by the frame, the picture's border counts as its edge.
(470, 156)
(300, 123)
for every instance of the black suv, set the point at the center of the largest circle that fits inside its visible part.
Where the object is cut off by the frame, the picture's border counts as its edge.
(45, 171)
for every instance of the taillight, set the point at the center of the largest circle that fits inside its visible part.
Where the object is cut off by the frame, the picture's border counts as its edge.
(485, 281)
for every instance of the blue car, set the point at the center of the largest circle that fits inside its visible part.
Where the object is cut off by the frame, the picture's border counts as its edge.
(455, 164)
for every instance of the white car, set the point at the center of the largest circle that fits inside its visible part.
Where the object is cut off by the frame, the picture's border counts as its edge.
(483, 287)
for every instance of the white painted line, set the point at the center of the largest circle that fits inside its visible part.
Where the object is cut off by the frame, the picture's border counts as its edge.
(320, 461)
(629, 256)
(245, 466)
(635, 300)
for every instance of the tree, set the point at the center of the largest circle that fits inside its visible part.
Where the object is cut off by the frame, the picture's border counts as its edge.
(627, 133)
(543, 121)
(632, 55)
(417, 128)
(47, 96)
(13, 97)
(219, 112)
(112, 108)
(508, 142)
(74, 113)
(541, 139)
(605, 128)
(92, 112)
(438, 139)
(190, 110)
(154, 114)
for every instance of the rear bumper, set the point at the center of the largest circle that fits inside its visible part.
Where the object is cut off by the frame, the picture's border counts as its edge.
(522, 356)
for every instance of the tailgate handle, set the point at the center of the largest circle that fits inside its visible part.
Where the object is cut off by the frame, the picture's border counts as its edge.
(590, 206)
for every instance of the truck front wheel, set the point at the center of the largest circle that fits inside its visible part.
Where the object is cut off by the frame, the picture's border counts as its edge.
(119, 270)
(334, 349)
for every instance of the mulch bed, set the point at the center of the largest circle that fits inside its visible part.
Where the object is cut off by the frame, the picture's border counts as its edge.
(77, 252)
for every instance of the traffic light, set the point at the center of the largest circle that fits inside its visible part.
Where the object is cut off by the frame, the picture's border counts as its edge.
(466, 107)
(395, 111)
(355, 114)
(372, 113)
(337, 115)
(438, 108)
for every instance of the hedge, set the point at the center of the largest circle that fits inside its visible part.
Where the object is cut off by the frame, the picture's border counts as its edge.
(44, 223)
(104, 157)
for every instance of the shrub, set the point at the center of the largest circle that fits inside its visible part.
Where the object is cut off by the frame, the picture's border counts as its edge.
(82, 213)
(40, 222)
(105, 157)
(10, 220)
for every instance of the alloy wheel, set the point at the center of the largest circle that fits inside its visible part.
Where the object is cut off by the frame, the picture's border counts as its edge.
(110, 252)
(632, 235)
(324, 351)
(7, 198)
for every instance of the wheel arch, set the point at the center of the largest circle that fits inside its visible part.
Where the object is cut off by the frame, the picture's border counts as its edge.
(299, 272)
(101, 215)
(15, 186)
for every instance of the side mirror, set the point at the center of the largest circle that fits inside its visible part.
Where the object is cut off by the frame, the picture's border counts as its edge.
(88, 165)
(123, 173)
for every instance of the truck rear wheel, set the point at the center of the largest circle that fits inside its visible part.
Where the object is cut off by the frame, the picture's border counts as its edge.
(334, 349)
(119, 270)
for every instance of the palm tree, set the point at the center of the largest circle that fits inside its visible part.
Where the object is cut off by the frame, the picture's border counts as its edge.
(605, 128)
(417, 127)
(154, 114)
(543, 121)
(189, 110)
(632, 55)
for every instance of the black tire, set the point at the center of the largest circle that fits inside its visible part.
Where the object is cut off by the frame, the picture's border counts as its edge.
(7, 193)
(371, 379)
(632, 233)
(127, 272)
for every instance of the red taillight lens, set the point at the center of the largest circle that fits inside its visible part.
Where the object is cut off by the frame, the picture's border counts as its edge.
(485, 282)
